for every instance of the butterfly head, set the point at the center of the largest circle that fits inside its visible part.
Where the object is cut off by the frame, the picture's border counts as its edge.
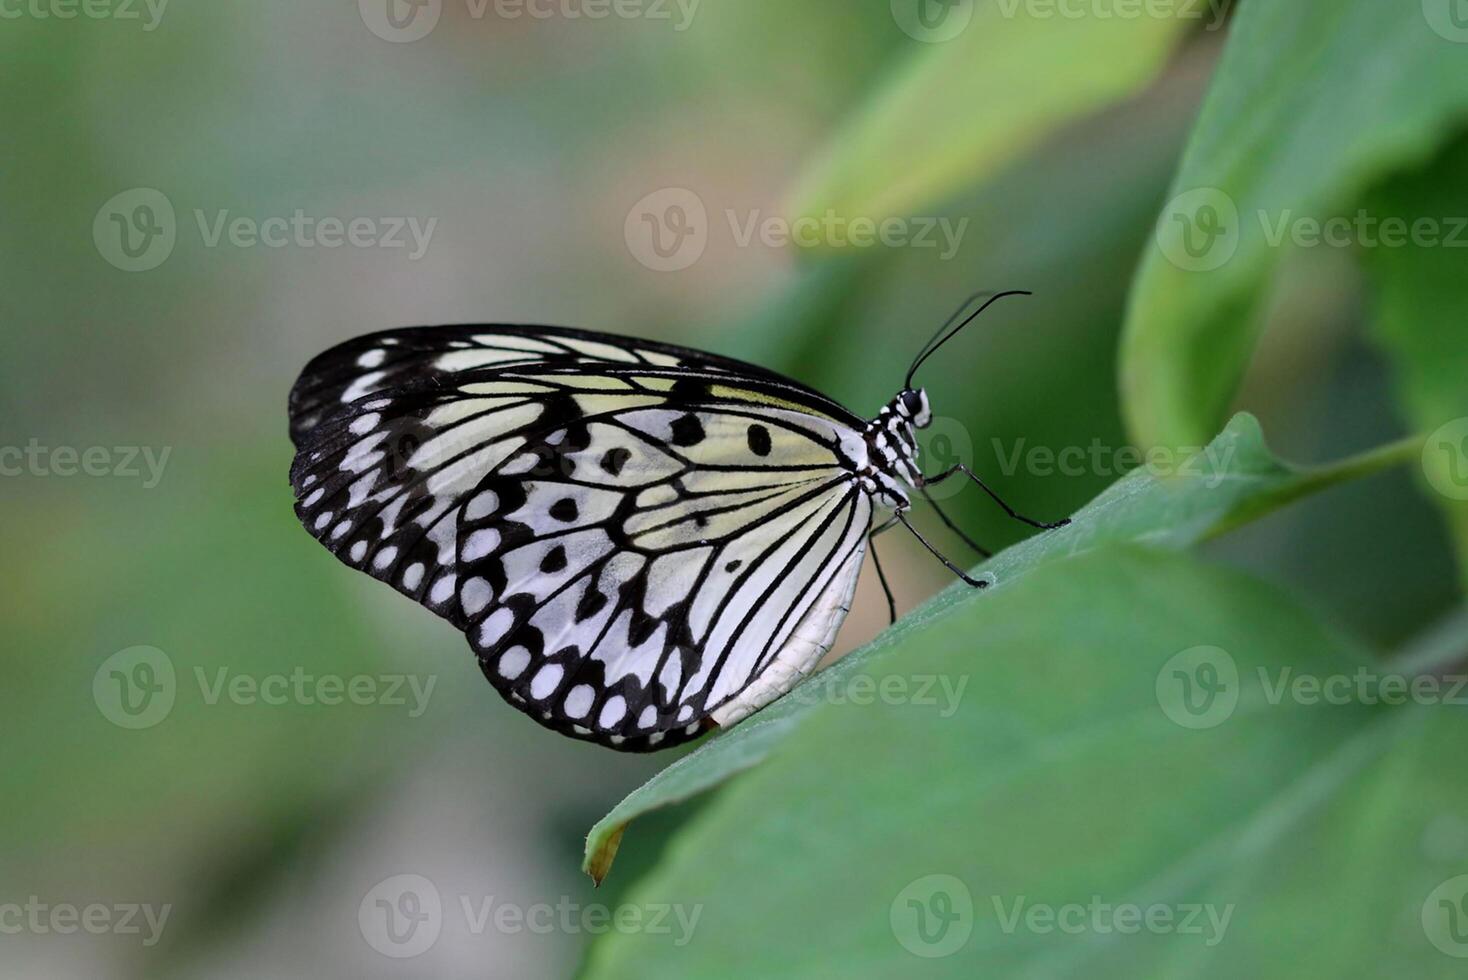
(912, 405)
(892, 447)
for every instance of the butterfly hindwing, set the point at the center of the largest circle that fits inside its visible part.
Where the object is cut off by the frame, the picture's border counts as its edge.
(629, 535)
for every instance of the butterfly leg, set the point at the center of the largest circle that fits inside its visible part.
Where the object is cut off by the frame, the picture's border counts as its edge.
(881, 575)
(960, 468)
(967, 578)
(948, 522)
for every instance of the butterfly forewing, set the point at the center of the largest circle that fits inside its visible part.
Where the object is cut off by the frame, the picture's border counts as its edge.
(629, 534)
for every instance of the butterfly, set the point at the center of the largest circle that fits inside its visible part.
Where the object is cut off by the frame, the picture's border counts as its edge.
(640, 541)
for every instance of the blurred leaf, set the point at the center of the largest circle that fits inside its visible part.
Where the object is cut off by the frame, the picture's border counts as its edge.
(1422, 321)
(953, 114)
(1234, 480)
(210, 569)
(1314, 100)
(1042, 371)
(1076, 770)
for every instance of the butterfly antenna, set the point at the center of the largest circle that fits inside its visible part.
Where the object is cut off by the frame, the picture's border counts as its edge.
(945, 334)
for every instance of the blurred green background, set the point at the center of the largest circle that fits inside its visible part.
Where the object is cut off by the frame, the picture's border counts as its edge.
(543, 152)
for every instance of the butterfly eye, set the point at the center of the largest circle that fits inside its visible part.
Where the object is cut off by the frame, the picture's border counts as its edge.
(914, 403)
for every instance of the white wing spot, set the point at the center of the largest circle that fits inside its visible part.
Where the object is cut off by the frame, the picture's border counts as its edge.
(671, 674)
(523, 463)
(323, 519)
(442, 589)
(495, 628)
(475, 595)
(578, 700)
(364, 424)
(546, 681)
(482, 506)
(362, 386)
(359, 550)
(315, 497)
(412, 575)
(612, 712)
(384, 557)
(648, 718)
(480, 543)
(514, 662)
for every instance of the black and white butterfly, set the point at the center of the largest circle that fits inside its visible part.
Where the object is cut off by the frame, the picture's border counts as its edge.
(640, 541)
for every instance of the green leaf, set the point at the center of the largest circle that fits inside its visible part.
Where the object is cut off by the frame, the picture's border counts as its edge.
(1314, 101)
(1077, 771)
(1422, 322)
(952, 115)
(1170, 504)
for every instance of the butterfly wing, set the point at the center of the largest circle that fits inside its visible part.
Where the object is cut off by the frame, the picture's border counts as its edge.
(393, 358)
(631, 535)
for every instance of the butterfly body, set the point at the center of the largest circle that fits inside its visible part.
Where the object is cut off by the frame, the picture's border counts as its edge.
(638, 540)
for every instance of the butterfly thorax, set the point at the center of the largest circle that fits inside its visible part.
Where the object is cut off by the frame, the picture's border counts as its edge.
(892, 449)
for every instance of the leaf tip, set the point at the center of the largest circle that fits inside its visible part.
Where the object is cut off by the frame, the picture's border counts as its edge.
(599, 857)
